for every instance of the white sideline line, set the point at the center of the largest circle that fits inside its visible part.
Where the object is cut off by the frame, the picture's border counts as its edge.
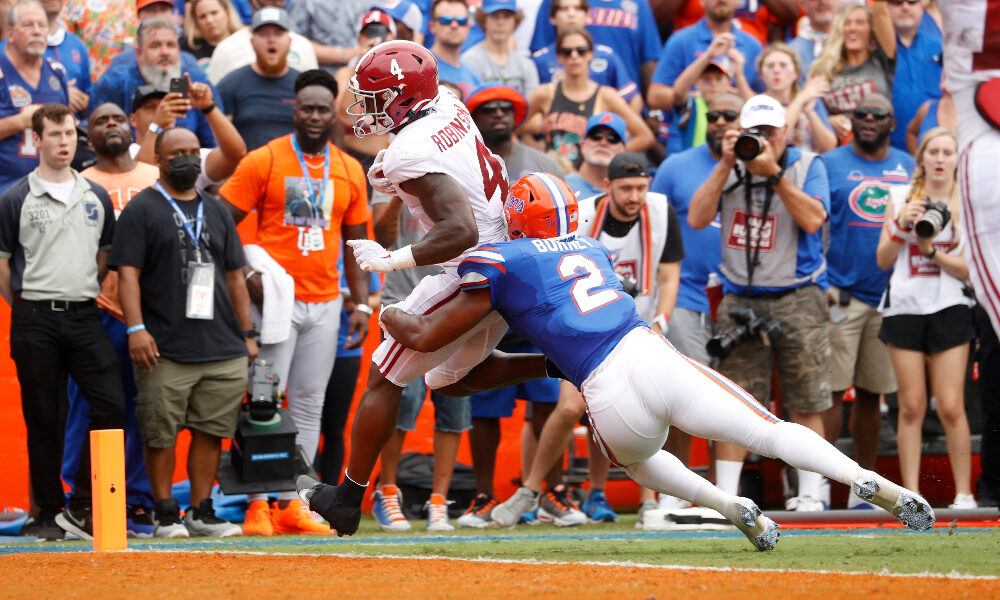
(531, 561)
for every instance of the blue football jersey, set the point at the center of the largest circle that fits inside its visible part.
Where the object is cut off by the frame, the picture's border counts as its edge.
(560, 294)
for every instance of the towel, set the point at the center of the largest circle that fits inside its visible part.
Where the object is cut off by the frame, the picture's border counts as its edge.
(279, 295)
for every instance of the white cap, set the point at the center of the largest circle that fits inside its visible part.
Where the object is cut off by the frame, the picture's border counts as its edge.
(762, 110)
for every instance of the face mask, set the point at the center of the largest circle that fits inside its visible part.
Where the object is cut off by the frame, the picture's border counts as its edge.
(184, 171)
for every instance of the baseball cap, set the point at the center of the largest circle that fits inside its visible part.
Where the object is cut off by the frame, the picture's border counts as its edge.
(377, 16)
(721, 63)
(144, 93)
(141, 4)
(609, 120)
(404, 11)
(762, 110)
(491, 6)
(628, 164)
(495, 91)
(271, 15)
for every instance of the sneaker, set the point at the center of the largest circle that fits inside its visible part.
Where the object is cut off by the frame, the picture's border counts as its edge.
(295, 519)
(558, 508)
(340, 504)
(258, 519)
(668, 502)
(645, 507)
(387, 511)
(964, 502)
(598, 509)
(79, 522)
(478, 514)
(46, 529)
(31, 527)
(909, 507)
(529, 518)
(139, 521)
(507, 514)
(167, 520)
(202, 521)
(854, 502)
(760, 530)
(437, 514)
(804, 504)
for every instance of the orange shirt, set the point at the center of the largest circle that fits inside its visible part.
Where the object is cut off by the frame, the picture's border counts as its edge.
(121, 187)
(270, 180)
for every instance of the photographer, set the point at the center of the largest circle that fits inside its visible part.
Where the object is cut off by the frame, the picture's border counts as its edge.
(773, 202)
(926, 313)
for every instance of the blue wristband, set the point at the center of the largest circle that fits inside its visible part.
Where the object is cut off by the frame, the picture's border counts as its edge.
(134, 328)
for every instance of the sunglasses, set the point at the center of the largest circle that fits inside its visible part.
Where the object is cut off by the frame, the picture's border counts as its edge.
(462, 21)
(902, 2)
(879, 114)
(728, 115)
(568, 52)
(610, 136)
(501, 105)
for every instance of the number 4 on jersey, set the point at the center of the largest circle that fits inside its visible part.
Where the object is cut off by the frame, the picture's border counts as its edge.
(493, 172)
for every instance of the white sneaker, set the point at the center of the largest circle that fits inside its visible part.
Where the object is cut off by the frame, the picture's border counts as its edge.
(964, 502)
(508, 513)
(668, 502)
(437, 517)
(909, 507)
(824, 493)
(644, 509)
(695, 518)
(804, 504)
(557, 507)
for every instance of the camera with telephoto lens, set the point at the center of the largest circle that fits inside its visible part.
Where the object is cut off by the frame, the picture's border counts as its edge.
(936, 216)
(750, 144)
(747, 324)
(629, 283)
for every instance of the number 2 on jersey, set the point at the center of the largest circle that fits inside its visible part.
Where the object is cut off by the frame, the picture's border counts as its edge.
(575, 265)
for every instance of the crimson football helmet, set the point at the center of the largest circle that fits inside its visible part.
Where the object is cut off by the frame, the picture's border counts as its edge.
(540, 205)
(392, 82)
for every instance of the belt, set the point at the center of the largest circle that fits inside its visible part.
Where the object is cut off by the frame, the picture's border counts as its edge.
(58, 305)
(772, 295)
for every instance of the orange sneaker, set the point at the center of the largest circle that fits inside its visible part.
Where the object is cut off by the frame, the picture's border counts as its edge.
(294, 519)
(258, 519)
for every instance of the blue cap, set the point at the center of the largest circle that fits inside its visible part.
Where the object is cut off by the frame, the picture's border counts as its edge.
(404, 11)
(491, 6)
(609, 120)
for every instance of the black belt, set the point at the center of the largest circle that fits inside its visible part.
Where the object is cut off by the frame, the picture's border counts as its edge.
(57, 305)
(772, 295)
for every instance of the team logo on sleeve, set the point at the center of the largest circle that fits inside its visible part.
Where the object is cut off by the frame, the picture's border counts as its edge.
(90, 210)
(869, 199)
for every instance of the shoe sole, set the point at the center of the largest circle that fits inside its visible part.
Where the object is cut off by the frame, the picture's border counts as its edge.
(911, 510)
(303, 487)
(547, 517)
(440, 528)
(760, 530)
(395, 528)
(68, 526)
(473, 523)
(174, 535)
(229, 532)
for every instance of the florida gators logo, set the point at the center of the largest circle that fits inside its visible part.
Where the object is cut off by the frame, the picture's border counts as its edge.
(869, 199)
(515, 203)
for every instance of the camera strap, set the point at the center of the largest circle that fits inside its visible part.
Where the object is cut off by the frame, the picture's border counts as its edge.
(745, 179)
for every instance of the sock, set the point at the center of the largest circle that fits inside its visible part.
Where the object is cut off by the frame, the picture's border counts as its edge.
(388, 489)
(438, 499)
(809, 483)
(292, 495)
(727, 475)
(256, 497)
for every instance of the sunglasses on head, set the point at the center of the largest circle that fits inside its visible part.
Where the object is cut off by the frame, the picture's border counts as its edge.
(462, 21)
(879, 114)
(902, 2)
(728, 115)
(567, 52)
(610, 136)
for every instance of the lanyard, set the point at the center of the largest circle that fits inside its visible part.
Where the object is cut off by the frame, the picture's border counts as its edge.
(314, 202)
(194, 234)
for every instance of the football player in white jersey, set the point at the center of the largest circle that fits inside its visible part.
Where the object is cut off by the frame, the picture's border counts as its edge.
(455, 187)
(972, 74)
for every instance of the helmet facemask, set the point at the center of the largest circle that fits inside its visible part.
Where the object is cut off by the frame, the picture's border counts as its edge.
(371, 120)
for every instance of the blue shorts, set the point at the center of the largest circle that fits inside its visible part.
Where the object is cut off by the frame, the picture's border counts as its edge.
(451, 415)
(500, 403)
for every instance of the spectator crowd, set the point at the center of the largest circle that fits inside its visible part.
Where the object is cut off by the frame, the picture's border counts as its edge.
(776, 180)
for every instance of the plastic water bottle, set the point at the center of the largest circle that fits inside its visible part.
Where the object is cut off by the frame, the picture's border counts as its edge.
(713, 289)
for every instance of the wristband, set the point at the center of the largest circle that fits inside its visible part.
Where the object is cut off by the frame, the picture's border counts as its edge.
(364, 308)
(930, 255)
(135, 328)
(250, 274)
(895, 233)
(661, 320)
(154, 128)
(774, 179)
(403, 258)
(208, 109)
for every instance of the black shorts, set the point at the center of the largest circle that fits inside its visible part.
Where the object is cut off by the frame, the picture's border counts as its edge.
(929, 333)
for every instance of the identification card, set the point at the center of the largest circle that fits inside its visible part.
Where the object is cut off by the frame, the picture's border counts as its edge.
(311, 239)
(200, 290)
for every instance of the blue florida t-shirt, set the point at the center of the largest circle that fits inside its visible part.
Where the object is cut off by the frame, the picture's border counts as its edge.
(684, 46)
(859, 193)
(561, 294)
(678, 178)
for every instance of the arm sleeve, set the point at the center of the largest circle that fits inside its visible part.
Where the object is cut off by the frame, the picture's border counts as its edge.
(545, 33)
(484, 267)
(671, 62)
(298, 11)
(129, 246)
(817, 185)
(107, 231)
(649, 49)
(10, 217)
(357, 212)
(233, 257)
(673, 250)
(246, 187)
(623, 82)
(226, 95)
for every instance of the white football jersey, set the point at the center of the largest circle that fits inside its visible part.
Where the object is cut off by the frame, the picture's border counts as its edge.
(970, 56)
(448, 141)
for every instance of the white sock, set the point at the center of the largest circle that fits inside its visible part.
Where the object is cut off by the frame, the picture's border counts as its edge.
(727, 475)
(809, 483)
(287, 496)
(256, 497)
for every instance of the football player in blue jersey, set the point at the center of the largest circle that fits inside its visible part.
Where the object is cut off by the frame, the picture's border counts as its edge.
(559, 291)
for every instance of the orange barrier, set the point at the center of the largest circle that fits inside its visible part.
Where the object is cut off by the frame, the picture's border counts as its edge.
(107, 466)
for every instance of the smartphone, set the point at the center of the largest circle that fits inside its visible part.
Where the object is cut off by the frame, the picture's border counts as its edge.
(837, 314)
(179, 85)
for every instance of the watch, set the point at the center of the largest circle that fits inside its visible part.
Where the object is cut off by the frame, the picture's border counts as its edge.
(250, 333)
(774, 179)
(364, 308)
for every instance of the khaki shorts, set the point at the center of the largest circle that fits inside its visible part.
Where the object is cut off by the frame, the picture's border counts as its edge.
(202, 396)
(859, 356)
(802, 355)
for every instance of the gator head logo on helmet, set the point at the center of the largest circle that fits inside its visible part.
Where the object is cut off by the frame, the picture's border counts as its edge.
(391, 84)
(540, 205)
